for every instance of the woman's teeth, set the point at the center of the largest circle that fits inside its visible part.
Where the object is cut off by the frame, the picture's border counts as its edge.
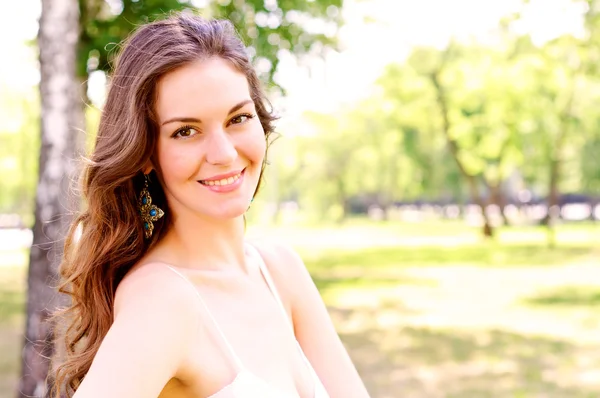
(225, 181)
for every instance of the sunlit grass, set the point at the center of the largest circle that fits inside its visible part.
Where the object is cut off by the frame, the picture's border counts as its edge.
(479, 255)
(12, 317)
(13, 280)
(567, 296)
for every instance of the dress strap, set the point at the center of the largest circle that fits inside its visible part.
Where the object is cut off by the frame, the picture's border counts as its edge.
(319, 389)
(267, 276)
(237, 361)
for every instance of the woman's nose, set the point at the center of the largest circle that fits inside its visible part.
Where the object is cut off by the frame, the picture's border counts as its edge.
(220, 149)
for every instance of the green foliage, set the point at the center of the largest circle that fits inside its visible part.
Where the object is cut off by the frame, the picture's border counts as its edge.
(19, 150)
(271, 26)
(511, 109)
(482, 90)
(267, 27)
(104, 25)
(332, 161)
(590, 165)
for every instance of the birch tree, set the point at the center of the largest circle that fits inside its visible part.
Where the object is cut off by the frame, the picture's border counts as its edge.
(61, 124)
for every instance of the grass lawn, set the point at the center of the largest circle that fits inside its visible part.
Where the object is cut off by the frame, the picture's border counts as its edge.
(429, 310)
(13, 274)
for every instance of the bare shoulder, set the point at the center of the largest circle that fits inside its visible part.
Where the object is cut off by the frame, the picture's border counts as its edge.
(288, 271)
(155, 322)
(283, 261)
(157, 288)
(277, 250)
(313, 327)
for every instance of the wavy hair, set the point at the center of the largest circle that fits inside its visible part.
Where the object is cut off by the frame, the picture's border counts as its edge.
(107, 238)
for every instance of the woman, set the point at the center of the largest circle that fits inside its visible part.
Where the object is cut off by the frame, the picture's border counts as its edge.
(168, 300)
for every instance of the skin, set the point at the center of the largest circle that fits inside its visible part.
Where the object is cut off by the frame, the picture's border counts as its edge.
(162, 342)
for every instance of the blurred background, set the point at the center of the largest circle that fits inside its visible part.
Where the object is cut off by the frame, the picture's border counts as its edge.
(437, 167)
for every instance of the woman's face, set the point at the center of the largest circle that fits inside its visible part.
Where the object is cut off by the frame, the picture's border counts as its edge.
(211, 144)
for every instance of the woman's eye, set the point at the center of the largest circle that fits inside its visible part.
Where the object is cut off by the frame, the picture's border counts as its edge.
(185, 132)
(240, 119)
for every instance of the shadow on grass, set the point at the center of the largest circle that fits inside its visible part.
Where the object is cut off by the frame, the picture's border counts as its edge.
(580, 296)
(420, 362)
(328, 280)
(480, 255)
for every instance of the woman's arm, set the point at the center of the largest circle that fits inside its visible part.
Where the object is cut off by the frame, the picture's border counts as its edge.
(155, 322)
(312, 325)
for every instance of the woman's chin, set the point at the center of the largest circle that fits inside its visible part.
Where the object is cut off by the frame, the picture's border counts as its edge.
(226, 211)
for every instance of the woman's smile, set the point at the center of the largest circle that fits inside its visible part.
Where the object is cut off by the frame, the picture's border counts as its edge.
(225, 182)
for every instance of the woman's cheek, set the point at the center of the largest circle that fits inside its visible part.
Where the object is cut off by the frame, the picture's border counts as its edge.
(175, 161)
(259, 140)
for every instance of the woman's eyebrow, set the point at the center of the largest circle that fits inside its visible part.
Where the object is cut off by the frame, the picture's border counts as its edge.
(184, 119)
(239, 105)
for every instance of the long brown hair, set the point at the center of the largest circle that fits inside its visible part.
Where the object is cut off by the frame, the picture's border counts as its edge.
(107, 238)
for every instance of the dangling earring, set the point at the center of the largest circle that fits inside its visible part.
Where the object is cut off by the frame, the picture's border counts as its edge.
(148, 211)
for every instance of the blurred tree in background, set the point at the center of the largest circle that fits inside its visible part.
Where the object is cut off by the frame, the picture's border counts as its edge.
(267, 27)
(61, 126)
(472, 122)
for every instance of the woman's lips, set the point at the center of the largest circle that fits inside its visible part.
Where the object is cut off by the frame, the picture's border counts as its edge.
(224, 183)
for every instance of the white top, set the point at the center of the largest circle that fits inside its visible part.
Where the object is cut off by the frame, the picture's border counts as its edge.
(246, 384)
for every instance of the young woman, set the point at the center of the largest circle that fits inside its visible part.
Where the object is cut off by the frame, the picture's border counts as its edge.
(168, 299)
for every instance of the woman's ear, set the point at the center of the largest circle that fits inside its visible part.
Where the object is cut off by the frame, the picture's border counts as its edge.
(148, 168)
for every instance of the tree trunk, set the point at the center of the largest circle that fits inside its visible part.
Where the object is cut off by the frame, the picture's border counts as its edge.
(62, 120)
(555, 170)
(342, 199)
(389, 189)
(488, 231)
(553, 189)
(499, 200)
(552, 201)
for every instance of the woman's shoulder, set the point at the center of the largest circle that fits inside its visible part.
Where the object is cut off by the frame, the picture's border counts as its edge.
(149, 341)
(285, 266)
(279, 256)
(158, 288)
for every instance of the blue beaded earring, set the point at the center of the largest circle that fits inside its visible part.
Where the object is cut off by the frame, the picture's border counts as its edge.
(148, 211)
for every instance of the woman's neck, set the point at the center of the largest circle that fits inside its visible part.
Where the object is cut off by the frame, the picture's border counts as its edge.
(205, 244)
